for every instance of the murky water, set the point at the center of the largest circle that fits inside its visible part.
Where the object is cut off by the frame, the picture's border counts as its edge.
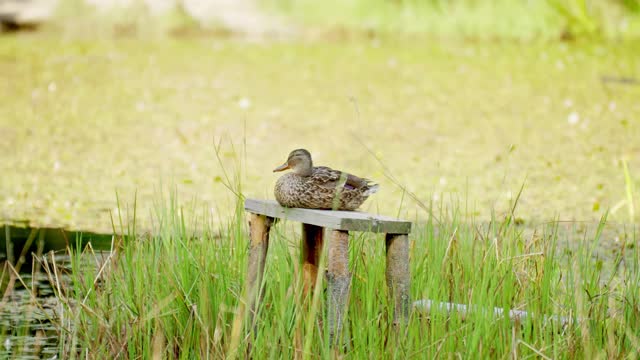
(29, 310)
(27, 324)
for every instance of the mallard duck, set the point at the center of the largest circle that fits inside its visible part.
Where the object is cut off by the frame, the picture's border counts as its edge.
(319, 187)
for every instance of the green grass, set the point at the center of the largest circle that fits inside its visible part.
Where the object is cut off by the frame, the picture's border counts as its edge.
(177, 294)
(491, 19)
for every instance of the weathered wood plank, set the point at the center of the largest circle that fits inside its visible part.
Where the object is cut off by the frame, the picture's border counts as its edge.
(338, 220)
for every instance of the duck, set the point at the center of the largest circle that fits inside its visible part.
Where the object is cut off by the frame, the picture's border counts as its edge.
(319, 187)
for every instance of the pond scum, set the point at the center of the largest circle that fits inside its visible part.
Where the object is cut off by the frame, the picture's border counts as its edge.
(176, 294)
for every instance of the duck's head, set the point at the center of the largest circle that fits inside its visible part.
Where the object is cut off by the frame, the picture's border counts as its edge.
(299, 161)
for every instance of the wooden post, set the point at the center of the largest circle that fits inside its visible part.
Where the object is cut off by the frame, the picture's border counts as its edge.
(397, 274)
(259, 226)
(339, 281)
(312, 240)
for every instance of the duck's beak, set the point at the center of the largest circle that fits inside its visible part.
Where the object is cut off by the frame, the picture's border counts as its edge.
(282, 167)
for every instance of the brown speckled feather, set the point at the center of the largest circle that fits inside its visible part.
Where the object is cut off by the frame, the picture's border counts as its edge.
(325, 188)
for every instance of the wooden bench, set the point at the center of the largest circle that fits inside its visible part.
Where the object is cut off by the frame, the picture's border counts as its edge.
(262, 215)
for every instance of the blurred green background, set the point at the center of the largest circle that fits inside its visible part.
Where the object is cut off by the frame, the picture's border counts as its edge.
(441, 102)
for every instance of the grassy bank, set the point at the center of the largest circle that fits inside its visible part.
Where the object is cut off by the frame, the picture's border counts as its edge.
(177, 295)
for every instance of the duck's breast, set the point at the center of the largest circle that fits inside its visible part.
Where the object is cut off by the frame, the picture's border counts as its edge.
(287, 190)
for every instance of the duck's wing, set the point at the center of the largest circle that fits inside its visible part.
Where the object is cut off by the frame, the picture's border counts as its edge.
(325, 176)
(330, 178)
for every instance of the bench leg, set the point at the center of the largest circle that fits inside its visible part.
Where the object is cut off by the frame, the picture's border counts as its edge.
(339, 282)
(397, 275)
(259, 226)
(312, 239)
